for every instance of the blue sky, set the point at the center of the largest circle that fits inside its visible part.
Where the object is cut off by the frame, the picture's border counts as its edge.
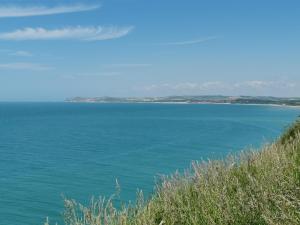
(52, 50)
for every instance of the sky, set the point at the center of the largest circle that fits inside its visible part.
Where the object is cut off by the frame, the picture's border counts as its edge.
(51, 50)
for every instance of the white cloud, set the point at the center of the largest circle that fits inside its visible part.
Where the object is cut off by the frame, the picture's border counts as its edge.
(21, 54)
(216, 87)
(92, 75)
(190, 42)
(5, 50)
(188, 86)
(129, 65)
(23, 11)
(24, 66)
(69, 33)
(260, 84)
(100, 74)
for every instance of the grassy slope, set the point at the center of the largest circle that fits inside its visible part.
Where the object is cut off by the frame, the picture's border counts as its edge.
(255, 188)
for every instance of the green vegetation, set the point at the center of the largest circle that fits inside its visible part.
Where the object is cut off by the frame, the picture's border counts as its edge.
(254, 188)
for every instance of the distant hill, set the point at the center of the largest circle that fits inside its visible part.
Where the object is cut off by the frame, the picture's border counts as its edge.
(217, 99)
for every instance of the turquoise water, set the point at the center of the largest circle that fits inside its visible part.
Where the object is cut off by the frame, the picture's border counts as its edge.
(49, 149)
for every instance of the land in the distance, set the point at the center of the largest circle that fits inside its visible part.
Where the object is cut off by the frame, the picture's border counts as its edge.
(203, 99)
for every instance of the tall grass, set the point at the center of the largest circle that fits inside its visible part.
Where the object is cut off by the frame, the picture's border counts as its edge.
(254, 188)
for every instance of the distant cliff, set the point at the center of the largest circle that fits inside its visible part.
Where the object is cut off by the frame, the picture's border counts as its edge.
(193, 99)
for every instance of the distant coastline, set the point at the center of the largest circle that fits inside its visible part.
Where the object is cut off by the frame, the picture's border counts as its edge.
(210, 99)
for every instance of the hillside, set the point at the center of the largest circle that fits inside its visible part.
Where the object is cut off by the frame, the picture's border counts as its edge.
(217, 99)
(257, 187)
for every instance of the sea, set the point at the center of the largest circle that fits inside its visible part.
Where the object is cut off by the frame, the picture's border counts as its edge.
(49, 151)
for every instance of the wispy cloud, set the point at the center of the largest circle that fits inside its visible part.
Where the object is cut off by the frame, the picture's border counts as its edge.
(23, 11)
(261, 84)
(92, 75)
(128, 65)
(187, 86)
(5, 50)
(222, 87)
(69, 33)
(100, 74)
(24, 66)
(190, 42)
(21, 54)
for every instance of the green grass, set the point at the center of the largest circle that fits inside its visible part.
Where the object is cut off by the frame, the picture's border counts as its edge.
(254, 188)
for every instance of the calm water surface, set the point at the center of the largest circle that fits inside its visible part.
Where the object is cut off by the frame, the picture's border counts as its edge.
(50, 149)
